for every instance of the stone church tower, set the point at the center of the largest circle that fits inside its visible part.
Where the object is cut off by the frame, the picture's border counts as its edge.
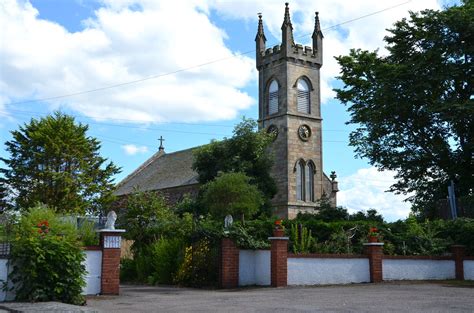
(290, 107)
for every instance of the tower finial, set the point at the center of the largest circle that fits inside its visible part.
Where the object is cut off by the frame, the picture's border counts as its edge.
(317, 36)
(260, 32)
(287, 19)
(317, 25)
(260, 38)
(287, 30)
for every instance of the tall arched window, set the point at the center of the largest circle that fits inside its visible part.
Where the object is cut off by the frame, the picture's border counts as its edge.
(273, 97)
(300, 180)
(303, 96)
(309, 181)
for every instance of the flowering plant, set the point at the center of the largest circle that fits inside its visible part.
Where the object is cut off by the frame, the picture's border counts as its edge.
(278, 223)
(43, 227)
(373, 232)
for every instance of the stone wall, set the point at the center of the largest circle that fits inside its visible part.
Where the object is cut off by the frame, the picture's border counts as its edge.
(286, 64)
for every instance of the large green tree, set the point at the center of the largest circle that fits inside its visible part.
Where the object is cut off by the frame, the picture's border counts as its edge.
(231, 193)
(246, 152)
(53, 161)
(414, 107)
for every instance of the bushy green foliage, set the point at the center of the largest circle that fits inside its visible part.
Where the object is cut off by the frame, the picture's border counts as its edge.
(244, 239)
(301, 240)
(413, 107)
(148, 218)
(166, 256)
(53, 161)
(328, 213)
(200, 265)
(409, 237)
(231, 193)
(245, 152)
(128, 270)
(47, 259)
(88, 234)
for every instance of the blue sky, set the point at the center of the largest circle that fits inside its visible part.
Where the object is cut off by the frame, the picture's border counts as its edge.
(51, 48)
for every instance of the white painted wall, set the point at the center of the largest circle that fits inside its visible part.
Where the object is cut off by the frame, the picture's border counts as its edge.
(469, 269)
(394, 269)
(3, 277)
(322, 271)
(254, 267)
(93, 264)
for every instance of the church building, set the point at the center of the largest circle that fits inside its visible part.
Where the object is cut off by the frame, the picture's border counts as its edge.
(289, 107)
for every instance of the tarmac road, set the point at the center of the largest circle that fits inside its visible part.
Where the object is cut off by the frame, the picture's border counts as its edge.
(384, 297)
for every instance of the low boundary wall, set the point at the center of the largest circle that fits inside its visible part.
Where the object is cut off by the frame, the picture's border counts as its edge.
(278, 268)
(469, 268)
(327, 269)
(418, 268)
(102, 264)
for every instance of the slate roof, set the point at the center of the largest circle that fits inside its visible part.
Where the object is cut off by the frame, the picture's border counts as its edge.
(162, 170)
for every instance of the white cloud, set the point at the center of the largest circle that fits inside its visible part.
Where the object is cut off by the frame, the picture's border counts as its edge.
(366, 33)
(42, 59)
(133, 149)
(366, 190)
(120, 44)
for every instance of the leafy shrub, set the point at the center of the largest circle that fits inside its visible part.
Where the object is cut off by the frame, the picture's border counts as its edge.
(199, 267)
(47, 259)
(88, 234)
(245, 240)
(143, 265)
(231, 193)
(166, 256)
(128, 270)
(301, 240)
(148, 218)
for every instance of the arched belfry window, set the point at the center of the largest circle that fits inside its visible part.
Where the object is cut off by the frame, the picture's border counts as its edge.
(303, 103)
(273, 97)
(309, 181)
(300, 180)
(305, 180)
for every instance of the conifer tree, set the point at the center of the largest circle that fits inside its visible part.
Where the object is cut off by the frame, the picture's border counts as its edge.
(53, 161)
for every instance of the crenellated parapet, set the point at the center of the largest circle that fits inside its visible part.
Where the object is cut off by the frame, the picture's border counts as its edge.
(289, 51)
(298, 54)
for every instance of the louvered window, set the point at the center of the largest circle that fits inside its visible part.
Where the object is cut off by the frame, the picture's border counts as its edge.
(300, 180)
(303, 96)
(273, 98)
(309, 177)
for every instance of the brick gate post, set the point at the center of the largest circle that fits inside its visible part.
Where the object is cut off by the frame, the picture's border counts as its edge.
(375, 253)
(110, 243)
(458, 255)
(279, 258)
(229, 264)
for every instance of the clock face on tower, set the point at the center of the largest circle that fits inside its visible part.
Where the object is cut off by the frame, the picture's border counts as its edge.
(304, 132)
(273, 130)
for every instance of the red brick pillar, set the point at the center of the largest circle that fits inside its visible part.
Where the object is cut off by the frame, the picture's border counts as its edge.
(375, 253)
(110, 242)
(229, 264)
(279, 258)
(458, 256)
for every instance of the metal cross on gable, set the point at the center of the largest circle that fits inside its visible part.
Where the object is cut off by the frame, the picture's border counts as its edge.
(161, 148)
